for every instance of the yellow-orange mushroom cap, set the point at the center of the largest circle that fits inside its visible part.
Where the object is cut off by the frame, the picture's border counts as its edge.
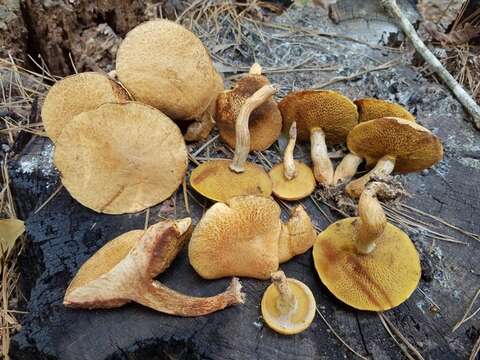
(371, 108)
(288, 305)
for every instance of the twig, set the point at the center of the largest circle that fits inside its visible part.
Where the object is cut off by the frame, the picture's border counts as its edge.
(475, 350)
(467, 317)
(457, 89)
(60, 187)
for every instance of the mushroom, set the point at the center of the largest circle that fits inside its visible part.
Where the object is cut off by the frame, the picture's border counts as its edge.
(245, 237)
(292, 180)
(121, 158)
(393, 144)
(219, 179)
(322, 116)
(75, 94)
(164, 65)
(368, 109)
(366, 262)
(288, 305)
(265, 122)
(123, 270)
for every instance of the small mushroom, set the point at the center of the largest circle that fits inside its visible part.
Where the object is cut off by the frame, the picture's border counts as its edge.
(292, 180)
(394, 144)
(220, 180)
(366, 262)
(323, 117)
(265, 122)
(288, 305)
(123, 270)
(245, 237)
(121, 158)
(368, 109)
(164, 65)
(75, 94)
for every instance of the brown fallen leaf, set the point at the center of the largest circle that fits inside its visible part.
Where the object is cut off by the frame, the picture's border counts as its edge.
(10, 231)
(462, 35)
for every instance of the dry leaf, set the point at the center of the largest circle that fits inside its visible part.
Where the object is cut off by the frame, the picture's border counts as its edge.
(10, 231)
(458, 36)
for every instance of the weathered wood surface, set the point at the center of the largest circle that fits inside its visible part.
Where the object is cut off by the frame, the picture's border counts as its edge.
(64, 234)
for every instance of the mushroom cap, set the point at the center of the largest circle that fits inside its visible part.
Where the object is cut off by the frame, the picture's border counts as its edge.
(214, 180)
(121, 158)
(237, 238)
(265, 123)
(75, 94)
(378, 281)
(164, 65)
(296, 321)
(371, 108)
(329, 110)
(414, 147)
(297, 188)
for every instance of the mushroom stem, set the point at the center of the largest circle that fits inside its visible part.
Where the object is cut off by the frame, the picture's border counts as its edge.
(383, 167)
(286, 302)
(200, 129)
(160, 298)
(242, 141)
(289, 169)
(347, 168)
(255, 69)
(372, 218)
(322, 165)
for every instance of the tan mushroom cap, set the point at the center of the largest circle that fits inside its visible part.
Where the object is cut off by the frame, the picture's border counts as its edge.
(214, 180)
(301, 315)
(378, 281)
(265, 123)
(164, 65)
(371, 108)
(414, 147)
(301, 186)
(76, 94)
(121, 158)
(237, 237)
(329, 110)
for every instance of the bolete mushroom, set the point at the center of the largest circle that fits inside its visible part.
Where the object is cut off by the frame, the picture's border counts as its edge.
(394, 144)
(288, 305)
(75, 94)
(123, 270)
(121, 158)
(164, 65)
(323, 117)
(292, 180)
(368, 109)
(265, 122)
(245, 237)
(366, 262)
(220, 180)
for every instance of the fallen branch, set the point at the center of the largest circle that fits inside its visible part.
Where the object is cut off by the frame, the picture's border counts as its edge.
(470, 105)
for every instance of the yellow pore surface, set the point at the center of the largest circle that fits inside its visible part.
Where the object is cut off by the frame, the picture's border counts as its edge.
(214, 180)
(295, 189)
(378, 281)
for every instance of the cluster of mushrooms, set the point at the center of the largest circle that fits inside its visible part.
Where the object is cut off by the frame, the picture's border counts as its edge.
(119, 150)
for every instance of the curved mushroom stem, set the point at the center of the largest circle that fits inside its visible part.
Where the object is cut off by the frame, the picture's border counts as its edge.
(383, 167)
(347, 168)
(286, 302)
(161, 298)
(372, 218)
(255, 69)
(242, 140)
(322, 165)
(289, 170)
(200, 129)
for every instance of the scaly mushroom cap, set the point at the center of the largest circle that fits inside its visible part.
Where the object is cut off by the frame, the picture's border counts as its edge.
(297, 188)
(238, 237)
(121, 158)
(301, 315)
(370, 109)
(265, 122)
(164, 65)
(378, 281)
(76, 94)
(329, 110)
(414, 147)
(210, 179)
